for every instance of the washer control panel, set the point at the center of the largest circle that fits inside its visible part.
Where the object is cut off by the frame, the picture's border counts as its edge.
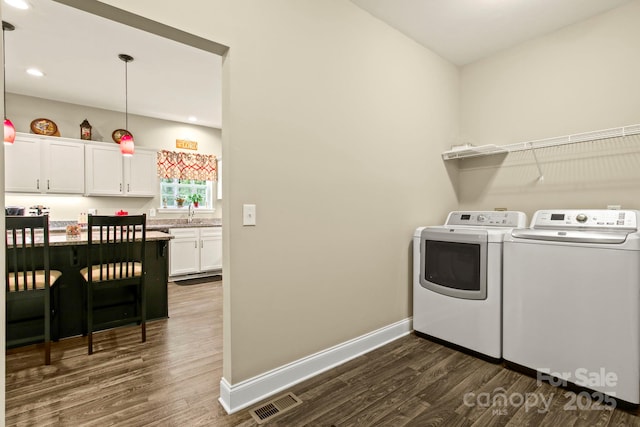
(603, 219)
(510, 219)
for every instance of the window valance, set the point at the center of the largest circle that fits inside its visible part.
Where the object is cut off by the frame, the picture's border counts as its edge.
(173, 164)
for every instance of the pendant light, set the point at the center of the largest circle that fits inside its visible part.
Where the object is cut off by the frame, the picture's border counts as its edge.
(126, 142)
(9, 128)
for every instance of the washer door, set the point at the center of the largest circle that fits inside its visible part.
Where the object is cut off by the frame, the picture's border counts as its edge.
(453, 262)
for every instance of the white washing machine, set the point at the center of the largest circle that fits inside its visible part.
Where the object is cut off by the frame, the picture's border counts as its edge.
(572, 299)
(457, 286)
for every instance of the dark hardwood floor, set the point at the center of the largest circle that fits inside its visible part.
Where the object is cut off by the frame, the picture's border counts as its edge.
(173, 380)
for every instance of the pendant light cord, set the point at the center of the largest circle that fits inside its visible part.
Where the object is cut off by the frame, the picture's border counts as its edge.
(4, 68)
(126, 96)
(4, 77)
(126, 59)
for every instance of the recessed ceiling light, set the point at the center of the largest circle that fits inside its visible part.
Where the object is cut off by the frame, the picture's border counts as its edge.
(35, 72)
(18, 4)
(192, 119)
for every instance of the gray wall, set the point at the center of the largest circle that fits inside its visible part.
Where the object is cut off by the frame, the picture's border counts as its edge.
(578, 79)
(332, 125)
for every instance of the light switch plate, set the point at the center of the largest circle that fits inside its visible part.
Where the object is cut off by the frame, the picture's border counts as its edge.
(248, 214)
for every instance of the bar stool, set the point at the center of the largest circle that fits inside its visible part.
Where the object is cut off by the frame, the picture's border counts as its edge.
(115, 259)
(29, 279)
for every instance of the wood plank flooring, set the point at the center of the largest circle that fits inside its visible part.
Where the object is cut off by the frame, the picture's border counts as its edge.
(173, 380)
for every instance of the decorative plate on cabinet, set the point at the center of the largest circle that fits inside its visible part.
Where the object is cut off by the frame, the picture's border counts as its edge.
(118, 134)
(44, 127)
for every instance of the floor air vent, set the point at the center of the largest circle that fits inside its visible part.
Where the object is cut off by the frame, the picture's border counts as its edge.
(275, 407)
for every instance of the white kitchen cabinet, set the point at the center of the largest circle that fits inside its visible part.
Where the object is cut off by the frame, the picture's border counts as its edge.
(195, 250)
(141, 174)
(184, 251)
(63, 167)
(22, 166)
(108, 173)
(210, 248)
(104, 170)
(219, 183)
(41, 164)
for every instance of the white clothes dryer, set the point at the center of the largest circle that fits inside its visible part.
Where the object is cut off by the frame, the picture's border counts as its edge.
(457, 286)
(572, 299)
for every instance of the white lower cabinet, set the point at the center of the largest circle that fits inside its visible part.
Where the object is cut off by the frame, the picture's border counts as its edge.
(195, 250)
(210, 248)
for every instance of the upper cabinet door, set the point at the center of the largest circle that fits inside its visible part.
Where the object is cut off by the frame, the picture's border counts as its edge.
(22, 166)
(140, 176)
(35, 164)
(103, 170)
(63, 166)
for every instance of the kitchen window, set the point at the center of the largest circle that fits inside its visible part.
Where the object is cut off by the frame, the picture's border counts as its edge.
(174, 189)
(186, 179)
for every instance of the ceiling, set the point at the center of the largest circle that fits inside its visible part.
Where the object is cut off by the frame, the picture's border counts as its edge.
(78, 52)
(464, 31)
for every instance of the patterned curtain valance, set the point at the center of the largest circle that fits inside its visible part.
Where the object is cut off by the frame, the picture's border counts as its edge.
(173, 164)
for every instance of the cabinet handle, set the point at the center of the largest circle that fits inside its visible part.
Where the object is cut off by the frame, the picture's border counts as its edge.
(120, 186)
(48, 188)
(195, 244)
(202, 244)
(37, 184)
(128, 188)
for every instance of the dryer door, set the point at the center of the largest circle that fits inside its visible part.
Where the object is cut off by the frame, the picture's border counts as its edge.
(453, 262)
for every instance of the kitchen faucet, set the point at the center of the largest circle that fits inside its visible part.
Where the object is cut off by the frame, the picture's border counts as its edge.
(191, 213)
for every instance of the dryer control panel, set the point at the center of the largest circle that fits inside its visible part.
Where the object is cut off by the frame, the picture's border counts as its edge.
(511, 219)
(593, 219)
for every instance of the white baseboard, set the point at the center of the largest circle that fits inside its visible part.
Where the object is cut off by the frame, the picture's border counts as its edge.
(234, 397)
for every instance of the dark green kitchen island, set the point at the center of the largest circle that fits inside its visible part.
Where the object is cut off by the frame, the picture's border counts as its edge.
(69, 255)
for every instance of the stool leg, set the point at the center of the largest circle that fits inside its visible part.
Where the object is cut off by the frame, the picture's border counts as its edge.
(143, 310)
(47, 353)
(47, 324)
(55, 312)
(84, 309)
(90, 317)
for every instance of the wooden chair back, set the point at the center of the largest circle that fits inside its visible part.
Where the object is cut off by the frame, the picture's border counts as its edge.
(28, 273)
(115, 258)
(115, 252)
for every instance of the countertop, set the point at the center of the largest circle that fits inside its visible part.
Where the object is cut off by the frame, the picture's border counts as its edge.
(62, 239)
(152, 224)
(165, 224)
